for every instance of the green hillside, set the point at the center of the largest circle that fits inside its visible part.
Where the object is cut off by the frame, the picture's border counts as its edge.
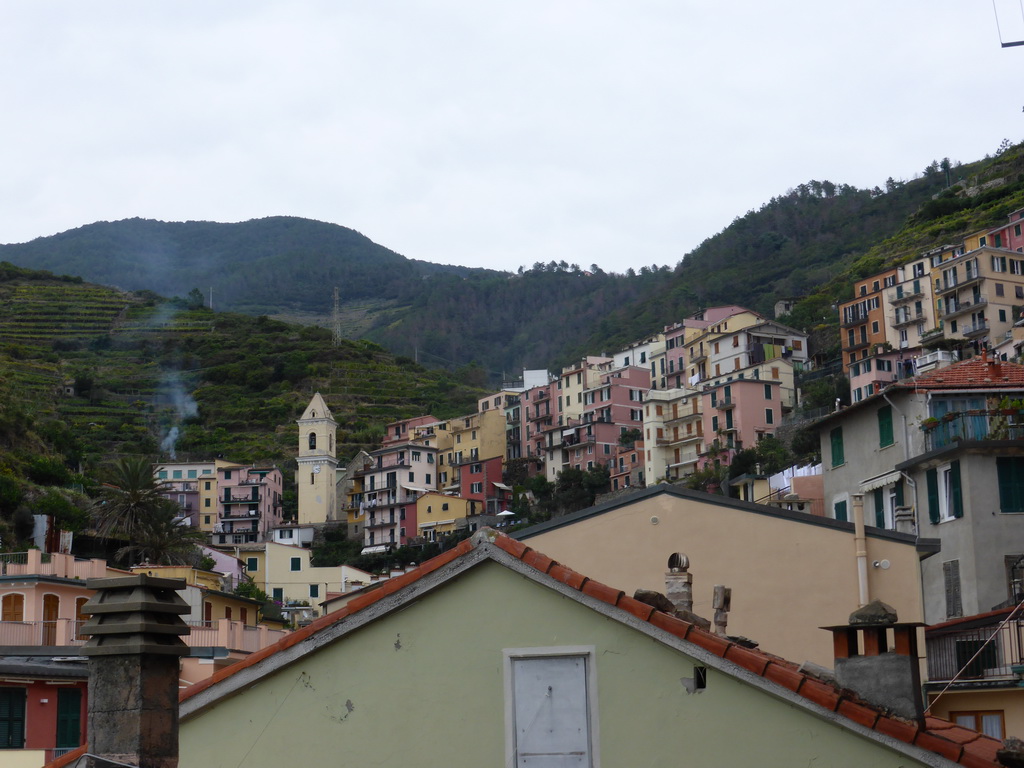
(818, 234)
(89, 373)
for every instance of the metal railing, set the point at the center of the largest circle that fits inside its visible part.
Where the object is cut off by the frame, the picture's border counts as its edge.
(224, 633)
(951, 651)
(973, 425)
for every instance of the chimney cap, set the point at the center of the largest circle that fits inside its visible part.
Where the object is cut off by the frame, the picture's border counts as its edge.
(874, 613)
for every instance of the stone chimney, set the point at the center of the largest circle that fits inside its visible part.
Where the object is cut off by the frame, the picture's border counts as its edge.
(134, 651)
(679, 583)
(887, 675)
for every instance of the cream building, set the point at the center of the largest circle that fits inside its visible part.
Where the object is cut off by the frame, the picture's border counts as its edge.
(790, 572)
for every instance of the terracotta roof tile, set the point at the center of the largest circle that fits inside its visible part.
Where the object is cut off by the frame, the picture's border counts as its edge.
(976, 373)
(642, 611)
(859, 713)
(970, 749)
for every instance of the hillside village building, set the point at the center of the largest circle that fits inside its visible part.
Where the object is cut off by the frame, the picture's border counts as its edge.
(234, 503)
(939, 452)
(970, 294)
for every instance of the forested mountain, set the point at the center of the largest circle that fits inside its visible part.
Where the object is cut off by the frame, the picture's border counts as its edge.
(818, 234)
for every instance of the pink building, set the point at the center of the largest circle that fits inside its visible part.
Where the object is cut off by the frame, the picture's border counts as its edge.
(407, 429)
(737, 415)
(399, 473)
(249, 504)
(613, 406)
(628, 469)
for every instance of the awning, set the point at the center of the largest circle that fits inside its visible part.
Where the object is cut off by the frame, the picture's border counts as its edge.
(501, 485)
(374, 549)
(415, 489)
(880, 481)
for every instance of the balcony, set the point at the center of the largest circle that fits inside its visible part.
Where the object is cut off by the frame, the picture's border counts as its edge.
(233, 635)
(943, 287)
(952, 309)
(935, 334)
(379, 522)
(725, 404)
(252, 514)
(902, 319)
(905, 293)
(972, 425)
(854, 318)
(980, 328)
(240, 500)
(698, 357)
(985, 653)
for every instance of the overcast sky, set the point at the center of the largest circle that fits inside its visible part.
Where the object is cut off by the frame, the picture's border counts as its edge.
(471, 132)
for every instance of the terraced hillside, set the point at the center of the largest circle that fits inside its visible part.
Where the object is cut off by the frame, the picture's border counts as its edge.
(109, 372)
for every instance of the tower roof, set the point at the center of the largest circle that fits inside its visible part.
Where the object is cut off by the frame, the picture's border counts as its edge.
(317, 409)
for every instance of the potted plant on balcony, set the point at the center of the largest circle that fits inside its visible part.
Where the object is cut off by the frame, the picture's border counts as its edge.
(929, 423)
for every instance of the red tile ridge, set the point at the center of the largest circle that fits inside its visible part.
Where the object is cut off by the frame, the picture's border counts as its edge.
(939, 736)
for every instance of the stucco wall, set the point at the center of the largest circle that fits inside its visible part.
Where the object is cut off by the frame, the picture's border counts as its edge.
(787, 578)
(1010, 702)
(428, 690)
(979, 540)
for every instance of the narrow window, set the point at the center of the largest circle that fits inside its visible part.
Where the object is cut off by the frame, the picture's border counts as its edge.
(838, 457)
(885, 434)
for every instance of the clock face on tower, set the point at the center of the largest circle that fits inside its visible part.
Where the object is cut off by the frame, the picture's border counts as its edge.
(316, 469)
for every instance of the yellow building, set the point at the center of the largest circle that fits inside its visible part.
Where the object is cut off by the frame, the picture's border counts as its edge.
(438, 514)
(316, 474)
(477, 436)
(288, 576)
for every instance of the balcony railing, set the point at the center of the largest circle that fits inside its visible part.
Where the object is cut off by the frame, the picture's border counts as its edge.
(36, 563)
(972, 425)
(978, 329)
(950, 651)
(905, 293)
(66, 632)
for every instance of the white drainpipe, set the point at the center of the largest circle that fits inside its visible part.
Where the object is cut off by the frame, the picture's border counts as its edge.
(860, 543)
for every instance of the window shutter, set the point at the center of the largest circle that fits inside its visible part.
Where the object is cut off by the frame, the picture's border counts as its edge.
(837, 447)
(932, 477)
(899, 492)
(1010, 471)
(879, 507)
(840, 508)
(12, 718)
(885, 436)
(951, 576)
(954, 489)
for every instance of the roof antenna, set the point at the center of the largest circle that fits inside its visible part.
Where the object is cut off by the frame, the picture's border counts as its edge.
(999, 31)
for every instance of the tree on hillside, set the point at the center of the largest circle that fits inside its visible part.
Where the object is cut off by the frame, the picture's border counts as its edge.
(131, 496)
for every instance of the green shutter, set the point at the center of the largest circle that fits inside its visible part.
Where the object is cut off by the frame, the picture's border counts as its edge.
(954, 489)
(899, 493)
(840, 510)
(837, 447)
(879, 508)
(69, 717)
(1010, 471)
(932, 477)
(12, 718)
(885, 426)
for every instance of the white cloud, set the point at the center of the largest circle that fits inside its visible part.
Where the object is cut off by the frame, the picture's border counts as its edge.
(488, 134)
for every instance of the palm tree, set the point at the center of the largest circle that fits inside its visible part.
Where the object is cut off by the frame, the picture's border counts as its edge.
(161, 538)
(131, 498)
